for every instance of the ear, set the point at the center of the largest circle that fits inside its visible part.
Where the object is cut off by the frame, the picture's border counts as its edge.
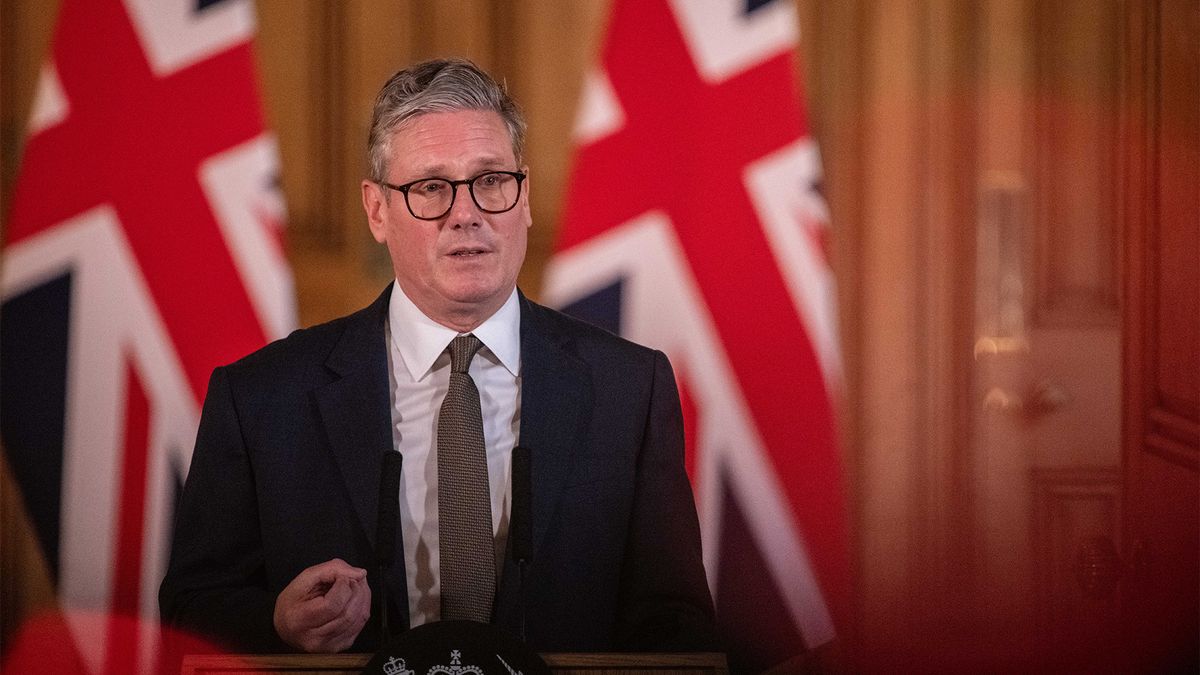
(525, 197)
(376, 206)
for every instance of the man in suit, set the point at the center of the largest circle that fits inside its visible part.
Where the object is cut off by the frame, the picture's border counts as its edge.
(277, 524)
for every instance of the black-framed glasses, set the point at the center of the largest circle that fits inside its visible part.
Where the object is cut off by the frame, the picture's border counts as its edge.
(432, 198)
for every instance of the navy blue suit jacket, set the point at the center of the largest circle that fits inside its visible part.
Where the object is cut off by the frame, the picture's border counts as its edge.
(286, 475)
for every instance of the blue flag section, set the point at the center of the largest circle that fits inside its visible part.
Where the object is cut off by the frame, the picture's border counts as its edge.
(34, 331)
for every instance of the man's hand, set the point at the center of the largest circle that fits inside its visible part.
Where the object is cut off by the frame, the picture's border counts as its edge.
(324, 607)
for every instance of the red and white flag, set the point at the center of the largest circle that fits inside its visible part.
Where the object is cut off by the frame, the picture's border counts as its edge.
(694, 224)
(143, 249)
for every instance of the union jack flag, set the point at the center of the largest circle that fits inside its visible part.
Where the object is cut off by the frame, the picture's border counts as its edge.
(694, 223)
(143, 249)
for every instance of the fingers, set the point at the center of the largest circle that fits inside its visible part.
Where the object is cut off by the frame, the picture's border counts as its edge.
(324, 608)
(319, 578)
(359, 604)
(340, 631)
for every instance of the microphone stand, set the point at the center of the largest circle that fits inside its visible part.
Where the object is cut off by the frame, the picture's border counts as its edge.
(521, 586)
(383, 609)
(522, 524)
(385, 534)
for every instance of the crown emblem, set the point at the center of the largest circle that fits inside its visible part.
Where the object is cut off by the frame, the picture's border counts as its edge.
(395, 666)
(455, 667)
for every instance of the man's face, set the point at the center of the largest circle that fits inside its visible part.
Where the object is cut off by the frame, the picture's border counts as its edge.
(460, 268)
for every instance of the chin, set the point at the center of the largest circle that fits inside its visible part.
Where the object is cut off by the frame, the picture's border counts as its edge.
(481, 287)
(474, 295)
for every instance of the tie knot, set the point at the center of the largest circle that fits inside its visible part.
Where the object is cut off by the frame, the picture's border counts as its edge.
(462, 350)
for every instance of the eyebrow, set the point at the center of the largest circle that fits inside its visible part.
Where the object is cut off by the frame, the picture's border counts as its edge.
(440, 170)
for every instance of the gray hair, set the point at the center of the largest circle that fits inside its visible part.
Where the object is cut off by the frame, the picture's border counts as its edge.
(440, 85)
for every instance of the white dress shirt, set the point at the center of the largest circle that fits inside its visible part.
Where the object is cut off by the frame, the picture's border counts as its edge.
(419, 368)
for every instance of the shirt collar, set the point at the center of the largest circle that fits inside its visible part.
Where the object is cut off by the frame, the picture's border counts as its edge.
(421, 340)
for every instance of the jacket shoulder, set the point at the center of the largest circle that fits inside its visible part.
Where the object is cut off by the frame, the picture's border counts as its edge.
(582, 337)
(314, 346)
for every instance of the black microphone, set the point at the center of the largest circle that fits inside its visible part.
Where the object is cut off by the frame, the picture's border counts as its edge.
(385, 532)
(520, 526)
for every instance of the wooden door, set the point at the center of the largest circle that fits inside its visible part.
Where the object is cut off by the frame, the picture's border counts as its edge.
(1014, 202)
(1087, 555)
(1046, 376)
(1158, 572)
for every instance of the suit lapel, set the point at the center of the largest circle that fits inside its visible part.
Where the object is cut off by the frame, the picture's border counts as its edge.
(556, 398)
(356, 411)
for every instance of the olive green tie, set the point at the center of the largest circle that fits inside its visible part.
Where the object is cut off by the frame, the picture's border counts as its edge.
(466, 546)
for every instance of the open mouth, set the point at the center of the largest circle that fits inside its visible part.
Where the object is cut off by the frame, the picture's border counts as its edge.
(467, 253)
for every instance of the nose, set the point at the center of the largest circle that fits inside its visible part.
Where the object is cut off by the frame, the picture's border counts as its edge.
(463, 212)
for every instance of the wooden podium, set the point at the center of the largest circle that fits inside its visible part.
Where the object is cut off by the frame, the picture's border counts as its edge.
(560, 664)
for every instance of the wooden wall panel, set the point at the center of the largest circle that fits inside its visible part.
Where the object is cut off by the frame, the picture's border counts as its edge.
(889, 252)
(893, 104)
(1075, 82)
(1177, 198)
(946, 492)
(548, 85)
(290, 87)
(1162, 170)
(455, 27)
(25, 31)
(1161, 414)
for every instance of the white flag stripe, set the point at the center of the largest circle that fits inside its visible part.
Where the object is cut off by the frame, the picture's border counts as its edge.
(600, 114)
(725, 40)
(240, 185)
(50, 105)
(176, 34)
(779, 186)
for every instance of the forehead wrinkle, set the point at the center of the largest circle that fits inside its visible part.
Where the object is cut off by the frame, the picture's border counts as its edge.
(444, 144)
(477, 166)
